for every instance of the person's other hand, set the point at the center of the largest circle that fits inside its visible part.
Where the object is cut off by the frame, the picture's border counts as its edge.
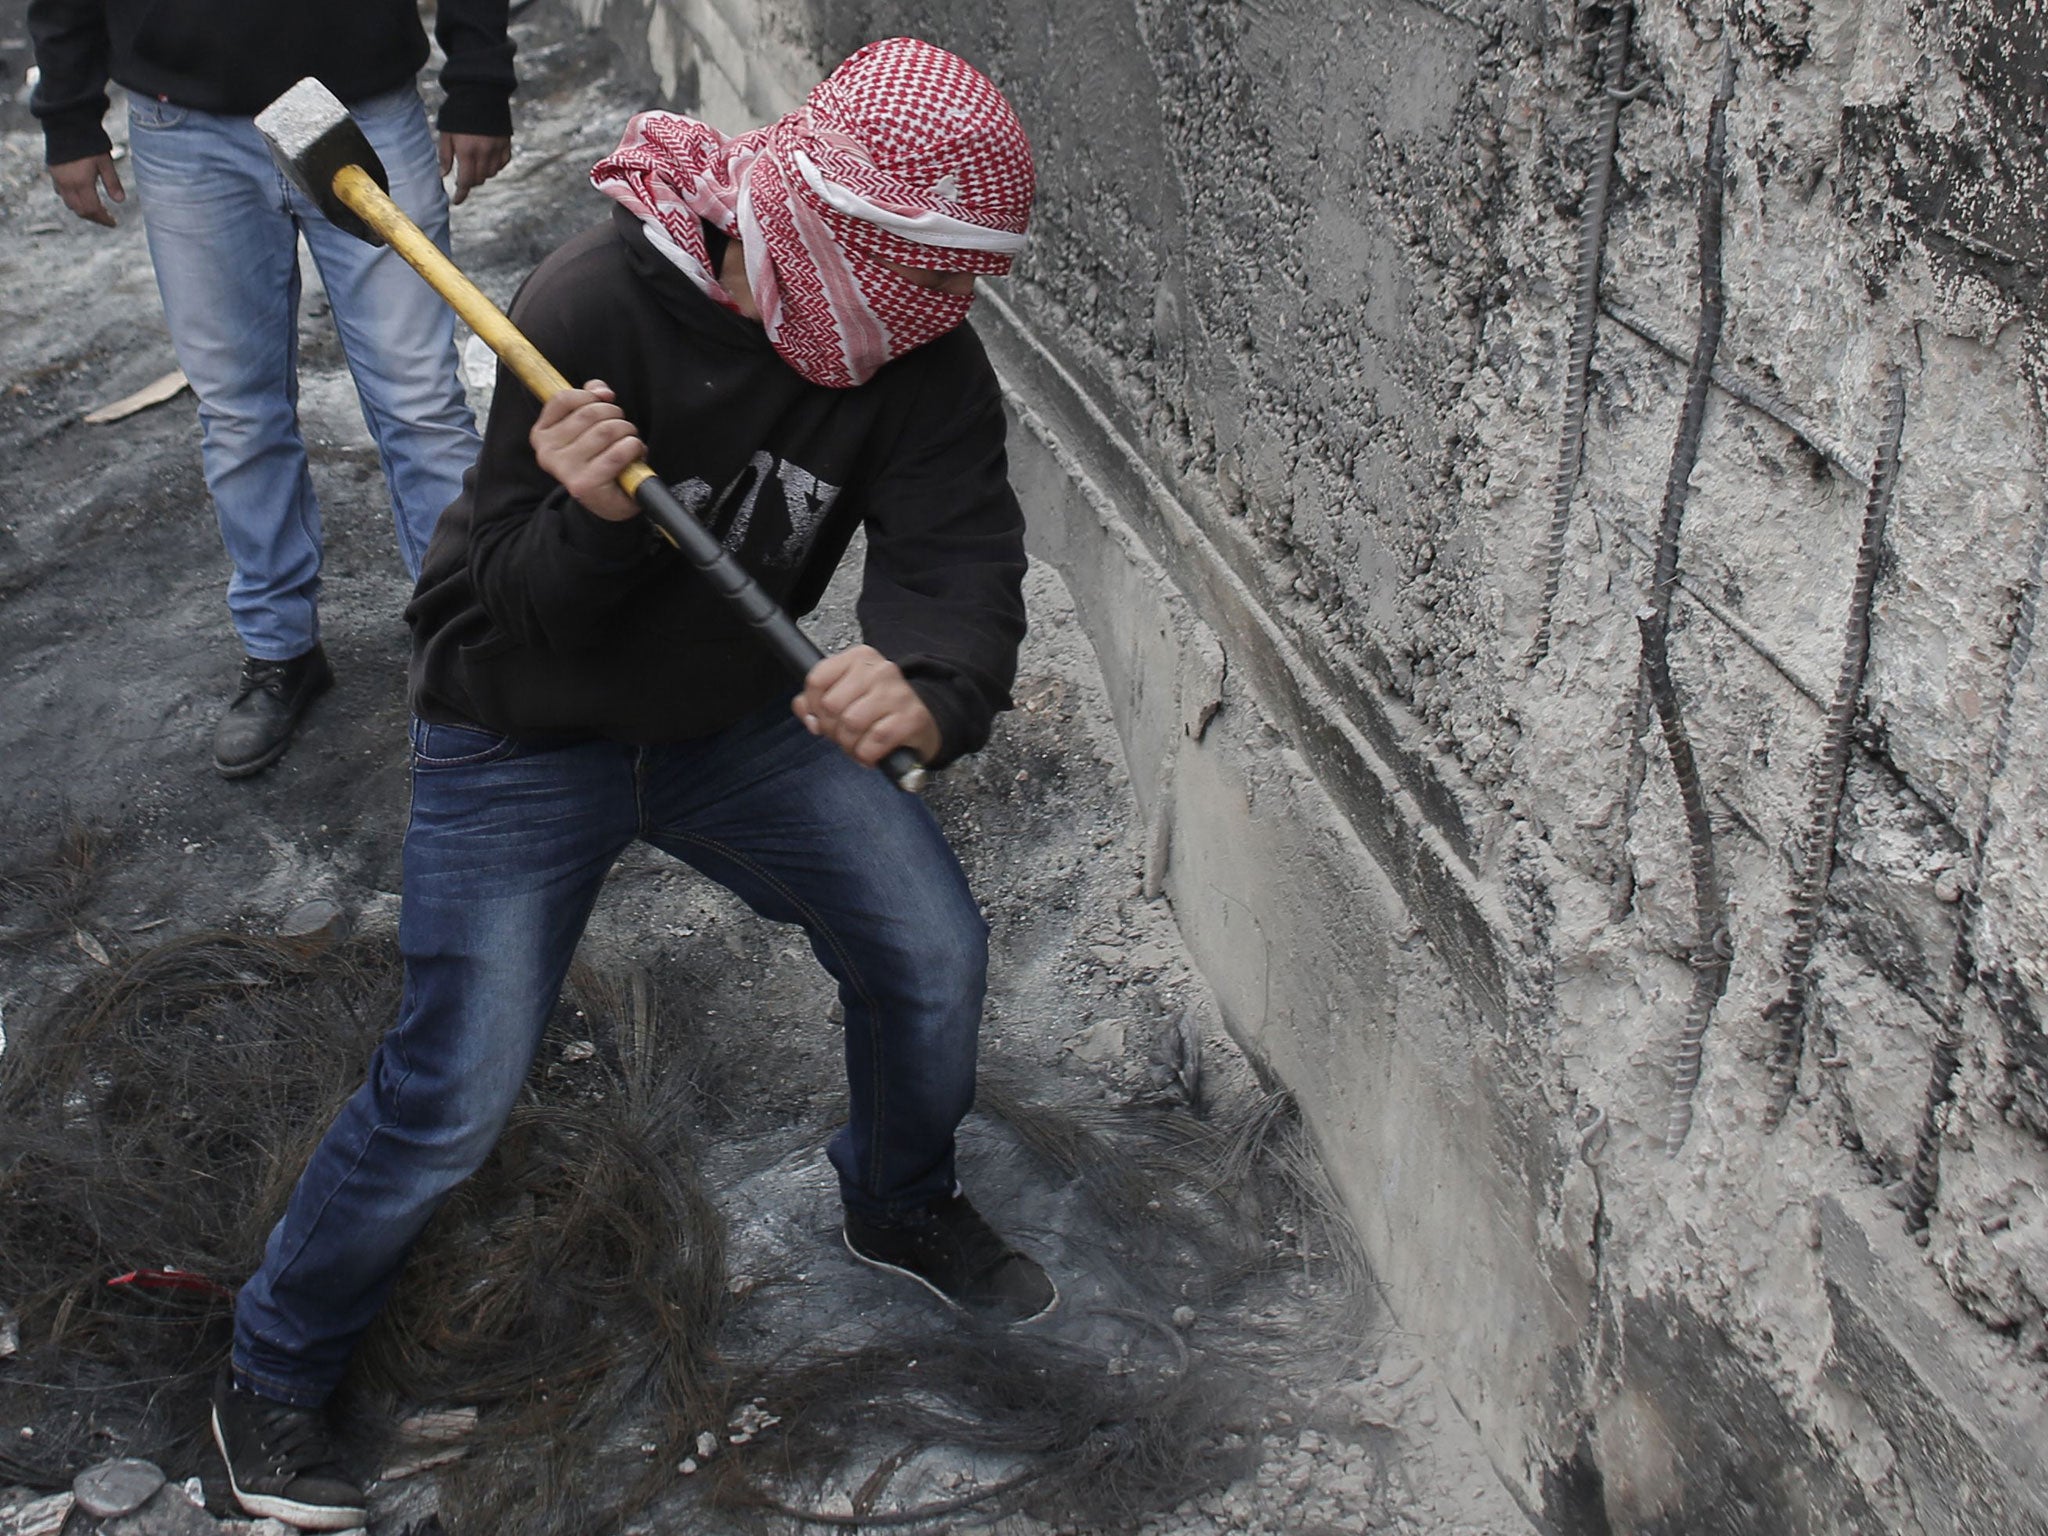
(78, 182)
(475, 158)
(860, 700)
(584, 440)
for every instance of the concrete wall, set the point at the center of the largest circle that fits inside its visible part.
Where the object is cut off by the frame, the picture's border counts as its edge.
(1288, 363)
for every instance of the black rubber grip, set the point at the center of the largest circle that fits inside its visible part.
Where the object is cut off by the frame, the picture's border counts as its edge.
(746, 597)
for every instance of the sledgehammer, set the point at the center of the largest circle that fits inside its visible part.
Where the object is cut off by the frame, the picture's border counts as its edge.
(321, 148)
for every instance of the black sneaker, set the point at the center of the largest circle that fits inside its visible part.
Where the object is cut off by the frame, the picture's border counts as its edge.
(950, 1251)
(258, 723)
(281, 1460)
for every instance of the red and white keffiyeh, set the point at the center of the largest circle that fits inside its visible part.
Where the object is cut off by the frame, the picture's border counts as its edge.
(906, 152)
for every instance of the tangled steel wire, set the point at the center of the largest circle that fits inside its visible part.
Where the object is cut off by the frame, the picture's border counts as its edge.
(576, 1294)
(155, 1118)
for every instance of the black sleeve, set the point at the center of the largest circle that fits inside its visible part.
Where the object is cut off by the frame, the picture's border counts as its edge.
(548, 571)
(478, 76)
(942, 593)
(70, 99)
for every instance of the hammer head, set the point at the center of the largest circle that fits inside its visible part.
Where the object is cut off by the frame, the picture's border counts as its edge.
(311, 136)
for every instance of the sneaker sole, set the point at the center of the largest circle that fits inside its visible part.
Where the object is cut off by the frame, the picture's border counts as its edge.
(964, 1310)
(307, 1517)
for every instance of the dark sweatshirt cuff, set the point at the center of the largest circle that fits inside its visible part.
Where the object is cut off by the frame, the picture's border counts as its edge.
(479, 109)
(74, 138)
(963, 724)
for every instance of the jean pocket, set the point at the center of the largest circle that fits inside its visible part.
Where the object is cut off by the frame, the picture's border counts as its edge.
(457, 746)
(401, 101)
(148, 112)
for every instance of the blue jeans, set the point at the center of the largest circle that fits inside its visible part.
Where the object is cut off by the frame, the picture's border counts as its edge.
(224, 228)
(507, 848)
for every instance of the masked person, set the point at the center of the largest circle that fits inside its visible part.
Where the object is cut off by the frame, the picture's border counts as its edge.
(224, 230)
(773, 322)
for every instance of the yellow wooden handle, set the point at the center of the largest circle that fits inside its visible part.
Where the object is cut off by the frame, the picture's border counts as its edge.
(373, 205)
(354, 186)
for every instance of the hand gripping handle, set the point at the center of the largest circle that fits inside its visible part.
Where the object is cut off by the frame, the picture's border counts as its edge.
(746, 597)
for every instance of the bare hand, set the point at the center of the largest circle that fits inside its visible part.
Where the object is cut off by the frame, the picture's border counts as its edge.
(78, 182)
(475, 159)
(585, 442)
(860, 700)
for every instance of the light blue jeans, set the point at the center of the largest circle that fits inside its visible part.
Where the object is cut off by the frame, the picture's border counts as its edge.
(223, 227)
(508, 847)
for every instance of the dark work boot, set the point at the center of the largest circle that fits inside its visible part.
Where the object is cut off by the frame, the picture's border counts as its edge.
(265, 710)
(952, 1252)
(281, 1461)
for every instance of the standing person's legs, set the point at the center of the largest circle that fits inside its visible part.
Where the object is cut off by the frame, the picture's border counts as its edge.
(226, 256)
(505, 854)
(805, 835)
(398, 334)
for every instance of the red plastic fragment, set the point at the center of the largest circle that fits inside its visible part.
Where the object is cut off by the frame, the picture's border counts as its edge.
(171, 1280)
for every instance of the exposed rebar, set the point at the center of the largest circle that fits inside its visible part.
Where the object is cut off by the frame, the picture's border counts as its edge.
(1692, 417)
(1831, 768)
(1699, 592)
(1585, 315)
(1711, 950)
(1758, 397)
(1712, 953)
(1925, 1179)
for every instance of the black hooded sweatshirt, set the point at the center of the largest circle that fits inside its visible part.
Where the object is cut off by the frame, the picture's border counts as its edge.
(536, 618)
(235, 57)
